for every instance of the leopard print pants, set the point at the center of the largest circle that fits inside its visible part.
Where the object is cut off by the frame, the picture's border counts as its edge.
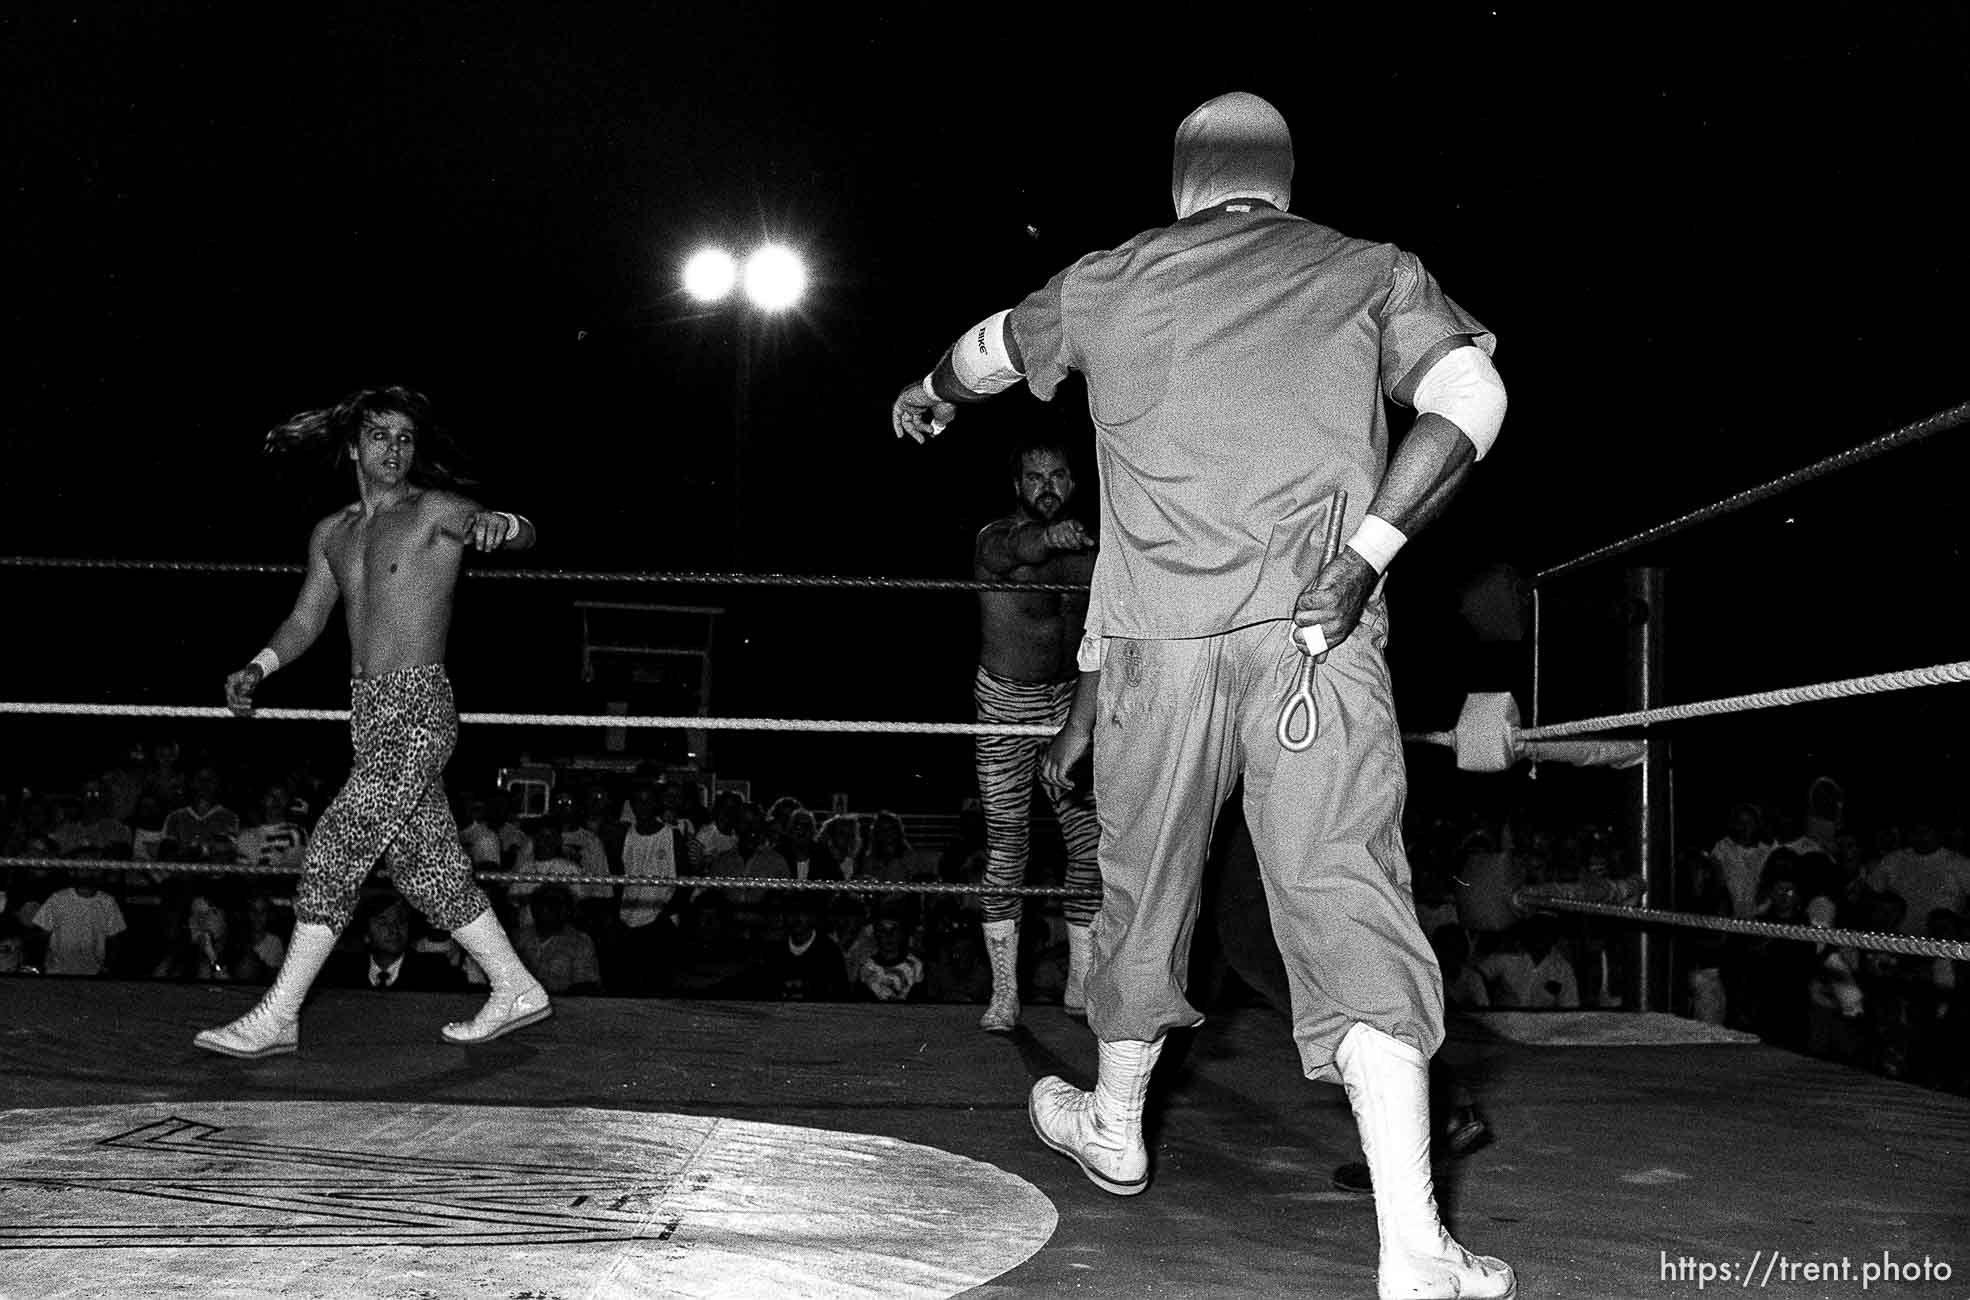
(403, 726)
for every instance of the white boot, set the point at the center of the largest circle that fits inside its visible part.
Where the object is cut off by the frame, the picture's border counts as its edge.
(1388, 1085)
(1101, 1130)
(1074, 999)
(1002, 948)
(274, 1025)
(517, 999)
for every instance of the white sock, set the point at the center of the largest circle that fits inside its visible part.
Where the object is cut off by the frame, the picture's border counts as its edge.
(485, 939)
(307, 951)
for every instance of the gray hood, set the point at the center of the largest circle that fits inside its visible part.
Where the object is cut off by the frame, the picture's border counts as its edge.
(1233, 147)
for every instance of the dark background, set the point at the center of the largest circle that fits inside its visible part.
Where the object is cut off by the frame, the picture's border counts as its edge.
(1713, 249)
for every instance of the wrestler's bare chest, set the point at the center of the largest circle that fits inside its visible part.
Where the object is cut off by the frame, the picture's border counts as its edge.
(381, 551)
(396, 573)
(1031, 636)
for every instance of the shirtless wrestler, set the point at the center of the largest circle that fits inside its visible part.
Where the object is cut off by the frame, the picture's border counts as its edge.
(393, 559)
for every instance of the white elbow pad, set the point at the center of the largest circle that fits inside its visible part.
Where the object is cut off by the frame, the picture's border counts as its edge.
(1464, 388)
(981, 359)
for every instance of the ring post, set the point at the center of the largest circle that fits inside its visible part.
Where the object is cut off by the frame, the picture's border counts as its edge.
(1532, 701)
(1651, 810)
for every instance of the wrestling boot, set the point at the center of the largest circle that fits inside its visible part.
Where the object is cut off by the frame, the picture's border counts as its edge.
(1101, 1130)
(1002, 949)
(1461, 1133)
(1074, 1000)
(274, 1025)
(1388, 1085)
(517, 999)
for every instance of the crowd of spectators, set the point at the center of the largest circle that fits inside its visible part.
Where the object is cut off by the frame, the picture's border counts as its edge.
(1896, 1015)
(630, 920)
(605, 931)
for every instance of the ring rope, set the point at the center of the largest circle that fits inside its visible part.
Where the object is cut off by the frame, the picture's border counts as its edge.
(1879, 683)
(860, 886)
(1940, 422)
(561, 575)
(1907, 945)
(688, 722)
(1940, 674)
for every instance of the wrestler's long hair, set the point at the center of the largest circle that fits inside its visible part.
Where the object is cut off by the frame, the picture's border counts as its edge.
(332, 432)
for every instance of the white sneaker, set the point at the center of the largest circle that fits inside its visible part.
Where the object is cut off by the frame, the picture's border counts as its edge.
(1065, 1119)
(260, 1032)
(1448, 1273)
(273, 1027)
(517, 998)
(502, 1014)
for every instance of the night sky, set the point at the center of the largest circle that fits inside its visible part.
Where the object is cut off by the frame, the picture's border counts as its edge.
(1712, 249)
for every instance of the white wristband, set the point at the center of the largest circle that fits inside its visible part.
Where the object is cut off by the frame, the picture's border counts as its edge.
(513, 523)
(1376, 541)
(937, 426)
(266, 661)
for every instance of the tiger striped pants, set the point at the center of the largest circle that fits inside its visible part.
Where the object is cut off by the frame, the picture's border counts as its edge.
(1008, 767)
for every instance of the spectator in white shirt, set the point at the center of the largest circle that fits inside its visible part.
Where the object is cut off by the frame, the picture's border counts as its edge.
(1927, 876)
(1740, 857)
(721, 833)
(643, 943)
(82, 924)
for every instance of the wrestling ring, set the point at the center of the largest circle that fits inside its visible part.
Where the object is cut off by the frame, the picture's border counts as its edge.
(718, 1148)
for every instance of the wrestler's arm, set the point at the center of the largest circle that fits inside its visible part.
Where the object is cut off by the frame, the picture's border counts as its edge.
(994, 362)
(1432, 462)
(1076, 736)
(319, 594)
(464, 520)
(299, 630)
(946, 383)
(1006, 544)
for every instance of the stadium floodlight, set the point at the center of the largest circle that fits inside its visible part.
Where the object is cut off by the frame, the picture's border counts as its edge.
(710, 274)
(774, 278)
